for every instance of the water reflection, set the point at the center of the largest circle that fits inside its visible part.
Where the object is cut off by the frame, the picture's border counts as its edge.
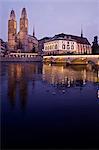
(21, 75)
(71, 76)
(56, 111)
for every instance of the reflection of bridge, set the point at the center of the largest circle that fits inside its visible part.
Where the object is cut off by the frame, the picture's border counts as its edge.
(73, 59)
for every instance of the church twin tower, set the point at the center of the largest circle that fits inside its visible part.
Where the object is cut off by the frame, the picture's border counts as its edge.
(21, 41)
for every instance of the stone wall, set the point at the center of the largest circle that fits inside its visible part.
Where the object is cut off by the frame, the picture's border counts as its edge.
(18, 59)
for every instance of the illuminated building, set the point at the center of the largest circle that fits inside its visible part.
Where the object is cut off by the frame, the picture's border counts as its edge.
(21, 41)
(67, 44)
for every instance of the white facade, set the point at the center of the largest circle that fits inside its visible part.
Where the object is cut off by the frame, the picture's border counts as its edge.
(66, 46)
(60, 46)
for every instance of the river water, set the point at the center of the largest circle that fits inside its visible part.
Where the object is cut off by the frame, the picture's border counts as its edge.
(49, 106)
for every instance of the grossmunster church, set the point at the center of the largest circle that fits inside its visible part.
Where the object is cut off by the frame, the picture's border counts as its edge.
(20, 41)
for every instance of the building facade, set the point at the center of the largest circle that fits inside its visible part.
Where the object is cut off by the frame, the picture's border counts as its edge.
(3, 47)
(21, 41)
(41, 43)
(67, 44)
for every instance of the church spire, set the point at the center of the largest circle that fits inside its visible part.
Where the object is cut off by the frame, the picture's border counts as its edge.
(12, 15)
(81, 32)
(33, 31)
(24, 14)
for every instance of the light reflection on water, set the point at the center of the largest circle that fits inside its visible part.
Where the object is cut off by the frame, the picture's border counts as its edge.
(68, 75)
(59, 76)
(50, 96)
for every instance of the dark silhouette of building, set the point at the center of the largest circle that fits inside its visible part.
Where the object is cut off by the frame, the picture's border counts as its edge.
(95, 46)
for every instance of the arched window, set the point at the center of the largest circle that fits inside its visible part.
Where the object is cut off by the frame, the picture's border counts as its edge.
(56, 46)
(51, 46)
(68, 47)
(72, 46)
(63, 46)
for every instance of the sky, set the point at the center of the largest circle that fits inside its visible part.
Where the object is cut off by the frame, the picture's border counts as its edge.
(52, 17)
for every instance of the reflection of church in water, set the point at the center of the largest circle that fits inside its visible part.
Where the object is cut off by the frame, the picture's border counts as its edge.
(19, 76)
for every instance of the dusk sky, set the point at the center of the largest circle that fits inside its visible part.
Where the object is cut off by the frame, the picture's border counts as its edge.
(51, 17)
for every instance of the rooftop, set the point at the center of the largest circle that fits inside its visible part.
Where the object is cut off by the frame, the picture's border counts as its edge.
(78, 39)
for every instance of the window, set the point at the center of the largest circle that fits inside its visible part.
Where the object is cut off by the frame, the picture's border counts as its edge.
(78, 46)
(72, 46)
(56, 46)
(68, 47)
(63, 46)
(51, 46)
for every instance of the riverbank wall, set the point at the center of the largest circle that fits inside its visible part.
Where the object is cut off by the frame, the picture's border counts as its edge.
(18, 59)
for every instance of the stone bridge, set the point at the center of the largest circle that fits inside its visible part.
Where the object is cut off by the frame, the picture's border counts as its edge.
(73, 59)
